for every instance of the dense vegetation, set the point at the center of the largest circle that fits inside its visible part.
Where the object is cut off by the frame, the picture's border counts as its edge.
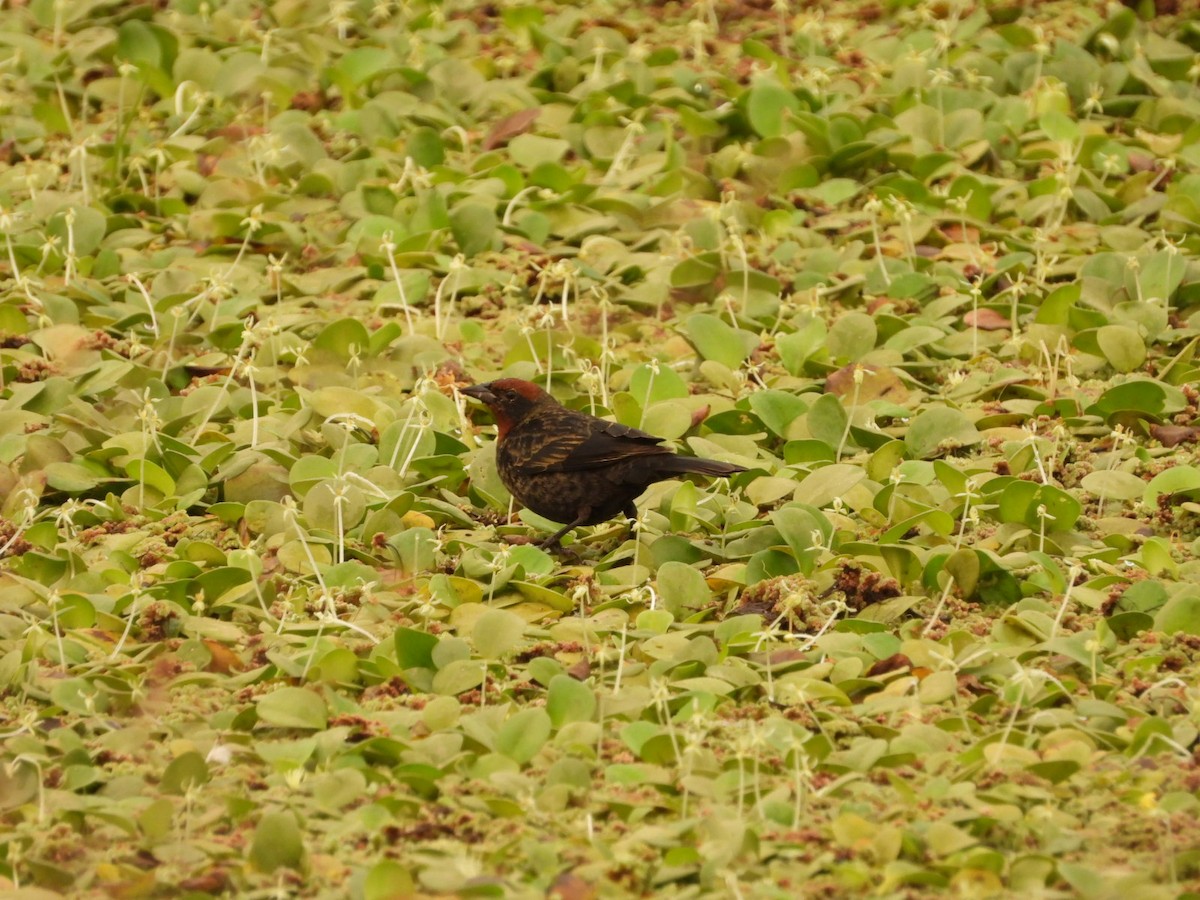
(269, 625)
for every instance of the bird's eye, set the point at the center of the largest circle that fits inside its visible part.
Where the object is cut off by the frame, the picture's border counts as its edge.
(510, 395)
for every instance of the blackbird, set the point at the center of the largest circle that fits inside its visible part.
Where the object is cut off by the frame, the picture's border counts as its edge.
(571, 467)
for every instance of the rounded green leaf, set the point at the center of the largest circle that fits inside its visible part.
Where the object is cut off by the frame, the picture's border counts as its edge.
(538, 594)
(1175, 480)
(778, 410)
(184, 772)
(681, 587)
(277, 842)
(154, 476)
(829, 482)
(1122, 346)
(292, 707)
(1114, 485)
(474, 228)
(1179, 615)
(1140, 396)
(938, 430)
(496, 633)
(344, 338)
(524, 734)
(851, 337)
(767, 106)
(459, 676)
(1040, 506)
(71, 478)
(388, 880)
(717, 340)
(964, 567)
(569, 700)
(827, 419)
(533, 150)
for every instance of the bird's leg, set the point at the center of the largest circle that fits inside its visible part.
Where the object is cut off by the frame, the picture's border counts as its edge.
(553, 540)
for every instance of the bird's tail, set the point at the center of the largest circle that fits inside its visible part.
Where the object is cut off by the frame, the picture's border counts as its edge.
(693, 464)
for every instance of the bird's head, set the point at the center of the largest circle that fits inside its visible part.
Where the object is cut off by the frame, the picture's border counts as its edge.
(510, 400)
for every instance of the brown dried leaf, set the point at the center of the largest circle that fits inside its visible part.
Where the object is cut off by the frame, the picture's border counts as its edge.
(893, 663)
(972, 684)
(237, 131)
(223, 659)
(581, 670)
(877, 382)
(986, 320)
(1140, 162)
(1173, 435)
(511, 126)
(955, 232)
(569, 886)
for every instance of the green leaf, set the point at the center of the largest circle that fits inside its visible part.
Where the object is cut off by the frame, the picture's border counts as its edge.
(153, 476)
(1180, 614)
(938, 430)
(851, 337)
(829, 482)
(414, 649)
(292, 707)
(524, 734)
(544, 595)
(767, 108)
(1143, 597)
(474, 228)
(649, 387)
(796, 347)
(1178, 479)
(277, 842)
(344, 338)
(1159, 277)
(569, 700)
(85, 232)
(696, 271)
(71, 478)
(388, 880)
(1114, 485)
(778, 410)
(1038, 506)
(803, 529)
(718, 341)
(533, 150)
(359, 65)
(533, 560)
(184, 772)
(427, 149)
(459, 676)
(496, 633)
(137, 43)
(1059, 127)
(964, 567)
(827, 420)
(1143, 397)
(1122, 346)
(681, 587)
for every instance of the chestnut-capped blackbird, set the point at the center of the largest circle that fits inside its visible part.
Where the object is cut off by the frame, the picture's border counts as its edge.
(571, 467)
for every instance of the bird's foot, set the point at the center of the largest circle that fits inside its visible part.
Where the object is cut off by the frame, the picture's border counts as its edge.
(569, 554)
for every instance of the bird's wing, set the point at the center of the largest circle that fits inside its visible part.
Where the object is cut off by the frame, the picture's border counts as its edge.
(604, 442)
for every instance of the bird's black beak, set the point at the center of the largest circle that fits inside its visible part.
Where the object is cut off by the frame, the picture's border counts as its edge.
(480, 392)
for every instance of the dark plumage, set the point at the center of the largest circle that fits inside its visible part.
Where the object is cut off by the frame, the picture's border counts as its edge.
(571, 467)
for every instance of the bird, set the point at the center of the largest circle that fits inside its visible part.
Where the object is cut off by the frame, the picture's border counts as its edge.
(571, 467)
